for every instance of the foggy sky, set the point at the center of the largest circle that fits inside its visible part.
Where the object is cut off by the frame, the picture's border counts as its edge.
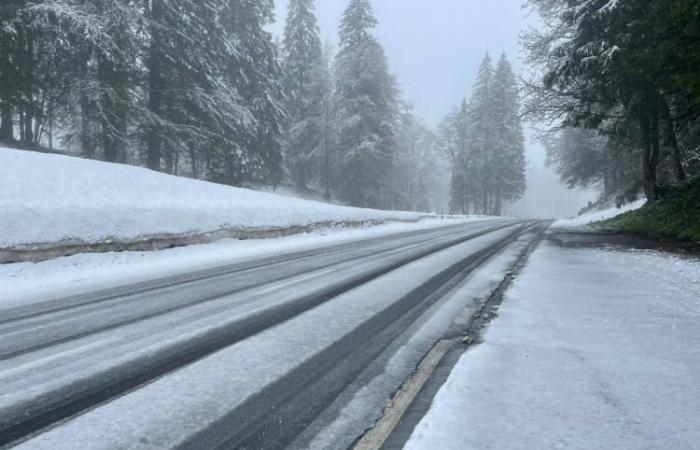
(435, 48)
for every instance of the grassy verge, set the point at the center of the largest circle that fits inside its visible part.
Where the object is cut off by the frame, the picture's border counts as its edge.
(676, 216)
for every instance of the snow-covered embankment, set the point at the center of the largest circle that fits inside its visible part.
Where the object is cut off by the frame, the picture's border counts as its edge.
(592, 217)
(55, 205)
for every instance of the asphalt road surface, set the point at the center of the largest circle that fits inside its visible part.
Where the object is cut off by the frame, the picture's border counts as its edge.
(72, 359)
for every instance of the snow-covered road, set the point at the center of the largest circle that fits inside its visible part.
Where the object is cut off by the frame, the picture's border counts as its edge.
(591, 349)
(203, 359)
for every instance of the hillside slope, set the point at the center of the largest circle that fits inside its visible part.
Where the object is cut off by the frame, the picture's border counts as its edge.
(675, 216)
(51, 199)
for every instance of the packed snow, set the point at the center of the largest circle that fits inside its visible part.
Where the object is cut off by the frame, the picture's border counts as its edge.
(591, 349)
(51, 198)
(596, 216)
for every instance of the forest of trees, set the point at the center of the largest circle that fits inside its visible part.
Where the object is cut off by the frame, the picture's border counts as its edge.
(484, 141)
(620, 92)
(200, 88)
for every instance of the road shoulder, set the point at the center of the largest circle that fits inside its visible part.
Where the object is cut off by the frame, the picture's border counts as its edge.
(612, 365)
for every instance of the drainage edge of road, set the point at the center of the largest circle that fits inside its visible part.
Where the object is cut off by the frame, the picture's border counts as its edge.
(413, 399)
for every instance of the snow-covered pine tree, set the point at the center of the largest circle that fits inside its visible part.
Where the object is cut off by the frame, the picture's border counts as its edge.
(304, 89)
(113, 72)
(252, 73)
(328, 164)
(367, 100)
(415, 164)
(481, 137)
(10, 70)
(190, 110)
(454, 142)
(507, 156)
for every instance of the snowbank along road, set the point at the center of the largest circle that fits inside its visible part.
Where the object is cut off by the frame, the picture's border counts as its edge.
(242, 356)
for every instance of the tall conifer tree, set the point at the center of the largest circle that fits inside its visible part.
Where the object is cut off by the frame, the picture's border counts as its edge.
(302, 82)
(367, 97)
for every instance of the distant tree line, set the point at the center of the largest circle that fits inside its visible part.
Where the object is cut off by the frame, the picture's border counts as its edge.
(619, 86)
(199, 88)
(484, 142)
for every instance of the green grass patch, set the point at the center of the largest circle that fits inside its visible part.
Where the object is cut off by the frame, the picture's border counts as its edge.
(675, 216)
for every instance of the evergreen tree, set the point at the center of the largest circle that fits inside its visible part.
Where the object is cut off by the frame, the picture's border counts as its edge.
(454, 141)
(304, 88)
(508, 155)
(625, 63)
(415, 164)
(328, 120)
(481, 138)
(252, 73)
(367, 97)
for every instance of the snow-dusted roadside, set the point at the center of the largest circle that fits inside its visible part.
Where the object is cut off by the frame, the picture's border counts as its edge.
(24, 283)
(596, 216)
(53, 199)
(591, 349)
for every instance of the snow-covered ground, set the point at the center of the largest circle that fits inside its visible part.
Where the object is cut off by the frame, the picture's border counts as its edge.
(596, 216)
(591, 349)
(25, 283)
(45, 199)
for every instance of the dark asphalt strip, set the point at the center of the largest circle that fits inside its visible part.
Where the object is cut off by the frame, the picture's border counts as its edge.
(273, 418)
(41, 412)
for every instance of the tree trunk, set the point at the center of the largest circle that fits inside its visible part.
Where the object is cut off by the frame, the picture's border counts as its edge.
(6, 115)
(87, 116)
(650, 157)
(498, 203)
(169, 162)
(28, 136)
(155, 87)
(114, 107)
(675, 150)
(193, 161)
(7, 125)
(671, 141)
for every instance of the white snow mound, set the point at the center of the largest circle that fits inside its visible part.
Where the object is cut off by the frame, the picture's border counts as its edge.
(596, 216)
(51, 198)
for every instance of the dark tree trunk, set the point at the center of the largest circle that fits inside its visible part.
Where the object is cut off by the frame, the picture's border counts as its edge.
(169, 162)
(650, 155)
(7, 125)
(155, 87)
(114, 108)
(498, 203)
(6, 119)
(87, 107)
(28, 81)
(671, 141)
(676, 155)
(193, 161)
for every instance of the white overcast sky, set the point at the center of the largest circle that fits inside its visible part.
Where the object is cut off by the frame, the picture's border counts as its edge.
(435, 48)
